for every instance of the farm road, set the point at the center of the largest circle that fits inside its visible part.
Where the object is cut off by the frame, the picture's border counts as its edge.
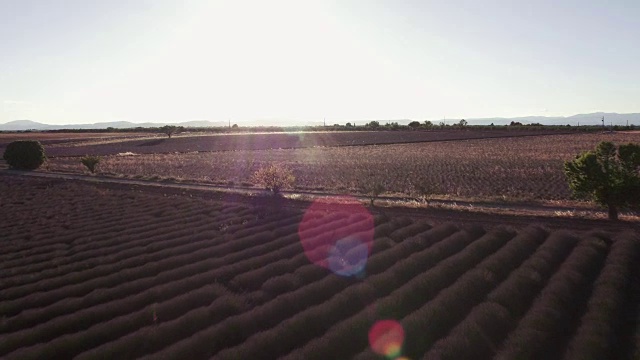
(441, 210)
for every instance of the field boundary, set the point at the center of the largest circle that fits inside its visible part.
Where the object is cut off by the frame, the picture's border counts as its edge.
(384, 204)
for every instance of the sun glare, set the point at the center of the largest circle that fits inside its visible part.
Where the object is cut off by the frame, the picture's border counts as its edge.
(266, 60)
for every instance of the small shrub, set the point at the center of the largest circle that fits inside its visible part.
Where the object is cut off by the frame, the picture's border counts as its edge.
(24, 154)
(90, 162)
(274, 178)
(424, 192)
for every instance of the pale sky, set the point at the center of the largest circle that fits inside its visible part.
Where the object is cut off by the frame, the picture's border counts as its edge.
(88, 61)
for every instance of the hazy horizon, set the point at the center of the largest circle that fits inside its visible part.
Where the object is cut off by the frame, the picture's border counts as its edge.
(77, 62)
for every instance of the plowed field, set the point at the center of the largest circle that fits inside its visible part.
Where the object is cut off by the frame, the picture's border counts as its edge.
(62, 139)
(92, 272)
(264, 141)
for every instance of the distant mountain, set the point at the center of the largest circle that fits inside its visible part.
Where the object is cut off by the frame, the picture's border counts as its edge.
(545, 120)
(19, 125)
(609, 118)
(22, 125)
(579, 119)
(202, 123)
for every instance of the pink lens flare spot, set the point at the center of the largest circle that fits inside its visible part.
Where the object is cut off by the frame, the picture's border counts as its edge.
(337, 234)
(386, 338)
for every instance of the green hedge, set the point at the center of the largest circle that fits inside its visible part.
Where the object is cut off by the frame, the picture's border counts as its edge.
(24, 154)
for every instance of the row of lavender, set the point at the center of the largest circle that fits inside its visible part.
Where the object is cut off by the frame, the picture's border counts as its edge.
(153, 276)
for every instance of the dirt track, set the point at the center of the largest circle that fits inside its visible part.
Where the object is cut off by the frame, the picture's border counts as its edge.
(465, 213)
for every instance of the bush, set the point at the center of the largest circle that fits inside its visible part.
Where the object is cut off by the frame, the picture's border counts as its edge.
(24, 154)
(90, 162)
(274, 178)
(424, 192)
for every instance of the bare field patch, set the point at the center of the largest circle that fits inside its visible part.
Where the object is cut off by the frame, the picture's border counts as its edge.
(281, 140)
(52, 140)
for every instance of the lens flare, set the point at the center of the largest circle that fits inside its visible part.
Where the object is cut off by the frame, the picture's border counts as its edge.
(348, 257)
(386, 338)
(337, 234)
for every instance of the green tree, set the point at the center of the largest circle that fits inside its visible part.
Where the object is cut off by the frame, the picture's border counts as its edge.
(374, 124)
(393, 125)
(24, 154)
(169, 130)
(414, 124)
(428, 124)
(608, 176)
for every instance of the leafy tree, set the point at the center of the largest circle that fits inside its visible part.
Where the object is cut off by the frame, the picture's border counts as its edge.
(349, 125)
(428, 124)
(462, 123)
(373, 190)
(372, 185)
(393, 125)
(414, 124)
(374, 124)
(609, 176)
(169, 130)
(274, 178)
(24, 154)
